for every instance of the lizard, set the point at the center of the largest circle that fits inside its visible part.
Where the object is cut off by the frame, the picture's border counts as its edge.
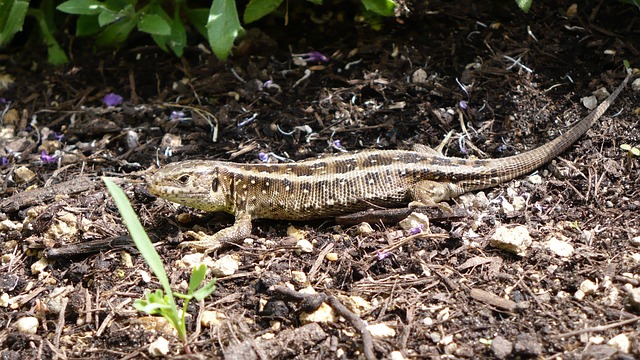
(347, 183)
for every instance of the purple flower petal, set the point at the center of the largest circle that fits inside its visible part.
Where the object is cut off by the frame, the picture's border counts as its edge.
(381, 255)
(177, 115)
(416, 230)
(112, 99)
(264, 157)
(56, 136)
(4, 160)
(47, 159)
(313, 56)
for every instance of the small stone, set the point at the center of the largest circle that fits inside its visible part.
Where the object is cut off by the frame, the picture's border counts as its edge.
(535, 179)
(501, 347)
(356, 304)
(296, 233)
(579, 295)
(27, 325)
(365, 229)
(572, 11)
(396, 355)
(299, 277)
(381, 331)
(519, 203)
(38, 267)
(588, 287)
(635, 85)
(507, 208)
(8, 225)
(191, 261)
(23, 174)
(621, 342)
(332, 256)
(225, 266)
(57, 299)
(590, 102)
(126, 260)
(515, 240)
(305, 246)
(419, 76)
(601, 94)
(634, 298)
(157, 323)
(324, 313)
(211, 318)
(415, 221)
(527, 345)
(558, 247)
(159, 348)
(481, 201)
(635, 241)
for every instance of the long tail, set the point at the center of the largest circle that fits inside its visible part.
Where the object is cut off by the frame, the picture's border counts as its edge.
(521, 164)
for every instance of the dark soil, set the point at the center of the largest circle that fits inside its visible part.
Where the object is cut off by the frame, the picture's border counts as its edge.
(446, 293)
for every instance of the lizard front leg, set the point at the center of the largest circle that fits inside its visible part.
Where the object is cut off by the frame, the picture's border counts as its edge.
(240, 230)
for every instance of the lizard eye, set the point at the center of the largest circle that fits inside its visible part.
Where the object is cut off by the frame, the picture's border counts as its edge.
(214, 185)
(183, 179)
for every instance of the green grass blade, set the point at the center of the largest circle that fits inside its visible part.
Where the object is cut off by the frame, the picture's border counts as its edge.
(139, 236)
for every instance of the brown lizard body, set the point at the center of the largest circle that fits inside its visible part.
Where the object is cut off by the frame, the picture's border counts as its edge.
(325, 187)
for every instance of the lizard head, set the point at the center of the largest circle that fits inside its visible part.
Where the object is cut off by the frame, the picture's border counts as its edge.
(199, 184)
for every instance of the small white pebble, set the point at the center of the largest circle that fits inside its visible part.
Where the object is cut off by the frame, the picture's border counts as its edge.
(211, 318)
(159, 348)
(305, 246)
(225, 266)
(27, 325)
(332, 256)
(621, 342)
(381, 331)
(588, 287)
(396, 355)
(535, 179)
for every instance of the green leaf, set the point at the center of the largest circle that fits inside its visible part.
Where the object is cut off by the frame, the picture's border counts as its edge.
(178, 38)
(154, 24)
(87, 25)
(108, 16)
(11, 19)
(525, 5)
(625, 147)
(382, 7)
(55, 54)
(223, 27)
(12, 16)
(81, 7)
(316, 2)
(635, 152)
(205, 291)
(197, 275)
(256, 9)
(198, 18)
(116, 33)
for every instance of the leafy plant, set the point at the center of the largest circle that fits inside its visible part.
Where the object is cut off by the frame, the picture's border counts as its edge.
(159, 302)
(166, 21)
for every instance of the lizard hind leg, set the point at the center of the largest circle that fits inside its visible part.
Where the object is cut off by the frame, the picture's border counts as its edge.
(429, 193)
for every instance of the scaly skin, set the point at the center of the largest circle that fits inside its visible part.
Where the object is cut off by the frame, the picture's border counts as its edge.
(330, 186)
